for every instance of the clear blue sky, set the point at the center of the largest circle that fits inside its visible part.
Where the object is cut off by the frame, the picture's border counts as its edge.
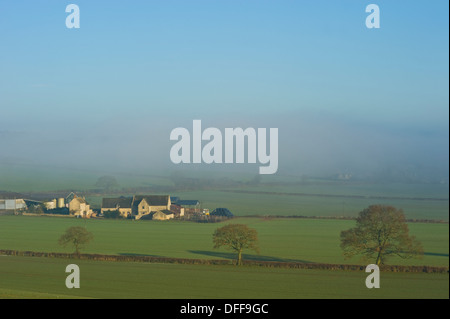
(195, 59)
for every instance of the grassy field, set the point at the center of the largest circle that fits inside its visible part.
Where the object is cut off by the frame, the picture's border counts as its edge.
(32, 277)
(327, 199)
(298, 240)
(245, 204)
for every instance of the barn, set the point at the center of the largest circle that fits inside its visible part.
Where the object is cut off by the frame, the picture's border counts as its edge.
(12, 204)
(190, 206)
(223, 212)
(121, 204)
(163, 215)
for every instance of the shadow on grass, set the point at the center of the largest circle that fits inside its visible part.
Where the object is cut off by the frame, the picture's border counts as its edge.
(246, 256)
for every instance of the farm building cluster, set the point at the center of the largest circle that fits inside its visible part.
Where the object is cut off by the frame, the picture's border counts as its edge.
(70, 205)
(158, 207)
(155, 207)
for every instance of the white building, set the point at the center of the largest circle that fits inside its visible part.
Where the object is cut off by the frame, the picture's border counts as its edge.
(12, 204)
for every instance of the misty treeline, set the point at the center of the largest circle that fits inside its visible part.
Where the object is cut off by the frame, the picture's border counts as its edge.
(182, 182)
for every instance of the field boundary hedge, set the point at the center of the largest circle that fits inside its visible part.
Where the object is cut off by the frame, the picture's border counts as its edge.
(193, 261)
(410, 220)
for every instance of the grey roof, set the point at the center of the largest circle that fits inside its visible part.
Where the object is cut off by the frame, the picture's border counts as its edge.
(187, 202)
(221, 212)
(133, 202)
(10, 195)
(122, 202)
(152, 200)
(70, 196)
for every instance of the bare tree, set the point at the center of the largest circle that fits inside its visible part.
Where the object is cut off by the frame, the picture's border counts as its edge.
(236, 237)
(380, 231)
(78, 236)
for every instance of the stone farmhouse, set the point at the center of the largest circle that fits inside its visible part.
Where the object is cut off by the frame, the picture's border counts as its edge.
(77, 206)
(80, 208)
(121, 204)
(140, 205)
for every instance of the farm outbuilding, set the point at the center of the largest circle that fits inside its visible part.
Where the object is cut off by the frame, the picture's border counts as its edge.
(121, 204)
(223, 212)
(163, 215)
(159, 215)
(12, 204)
(50, 204)
(190, 206)
(177, 210)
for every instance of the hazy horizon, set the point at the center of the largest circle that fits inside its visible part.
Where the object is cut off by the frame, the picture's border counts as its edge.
(345, 99)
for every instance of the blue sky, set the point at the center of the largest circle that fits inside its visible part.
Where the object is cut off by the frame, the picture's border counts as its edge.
(231, 62)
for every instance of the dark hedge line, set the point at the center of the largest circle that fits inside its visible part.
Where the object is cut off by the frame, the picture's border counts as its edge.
(192, 261)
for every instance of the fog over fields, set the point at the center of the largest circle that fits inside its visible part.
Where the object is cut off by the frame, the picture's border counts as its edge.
(368, 104)
(309, 144)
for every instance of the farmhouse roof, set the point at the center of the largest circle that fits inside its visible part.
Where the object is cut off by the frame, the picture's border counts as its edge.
(10, 195)
(70, 197)
(222, 212)
(122, 202)
(152, 200)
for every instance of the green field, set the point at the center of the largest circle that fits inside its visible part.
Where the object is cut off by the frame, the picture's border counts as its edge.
(247, 204)
(308, 200)
(299, 240)
(32, 277)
